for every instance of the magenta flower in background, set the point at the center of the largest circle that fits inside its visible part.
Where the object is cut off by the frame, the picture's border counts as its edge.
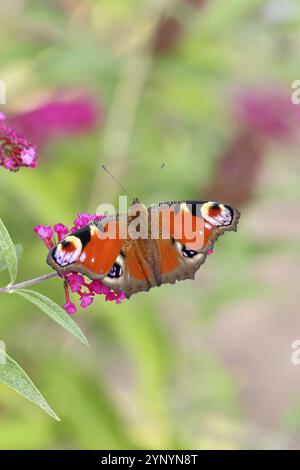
(263, 116)
(268, 112)
(58, 118)
(75, 282)
(15, 150)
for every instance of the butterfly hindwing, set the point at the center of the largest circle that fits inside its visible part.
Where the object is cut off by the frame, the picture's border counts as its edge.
(173, 255)
(182, 254)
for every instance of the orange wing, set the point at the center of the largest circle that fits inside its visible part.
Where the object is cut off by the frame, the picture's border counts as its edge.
(184, 233)
(194, 228)
(177, 250)
(88, 250)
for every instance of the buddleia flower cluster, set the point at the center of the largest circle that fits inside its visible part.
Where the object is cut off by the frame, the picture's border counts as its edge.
(15, 151)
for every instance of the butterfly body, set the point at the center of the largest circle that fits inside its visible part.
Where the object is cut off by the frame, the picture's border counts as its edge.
(147, 247)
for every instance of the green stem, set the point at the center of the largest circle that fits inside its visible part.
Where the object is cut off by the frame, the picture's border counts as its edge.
(30, 282)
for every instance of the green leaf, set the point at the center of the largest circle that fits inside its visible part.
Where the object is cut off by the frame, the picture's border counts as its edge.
(54, 311)
(3, 265)
(9, 252)
(12, 374)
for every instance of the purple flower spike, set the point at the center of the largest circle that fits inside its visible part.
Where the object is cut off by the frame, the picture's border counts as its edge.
(15, 151)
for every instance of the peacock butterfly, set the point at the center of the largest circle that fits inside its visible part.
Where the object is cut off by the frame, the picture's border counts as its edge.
(147, 247)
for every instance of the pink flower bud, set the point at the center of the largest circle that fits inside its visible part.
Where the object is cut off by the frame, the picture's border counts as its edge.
(70, 308)
(44, 231)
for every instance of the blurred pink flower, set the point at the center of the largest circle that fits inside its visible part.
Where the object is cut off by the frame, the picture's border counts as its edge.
(262, 116)
(270, 113)
(57, 118)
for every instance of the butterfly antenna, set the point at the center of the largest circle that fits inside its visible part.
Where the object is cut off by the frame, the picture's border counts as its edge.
(115, 180)
(151, 182)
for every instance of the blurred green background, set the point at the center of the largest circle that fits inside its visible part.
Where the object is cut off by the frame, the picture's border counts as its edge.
(204, 86)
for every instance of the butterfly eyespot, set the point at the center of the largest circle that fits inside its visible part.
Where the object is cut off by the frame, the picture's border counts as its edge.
(67, 251)
(217, 214)
(188, 253)
(116, 271)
